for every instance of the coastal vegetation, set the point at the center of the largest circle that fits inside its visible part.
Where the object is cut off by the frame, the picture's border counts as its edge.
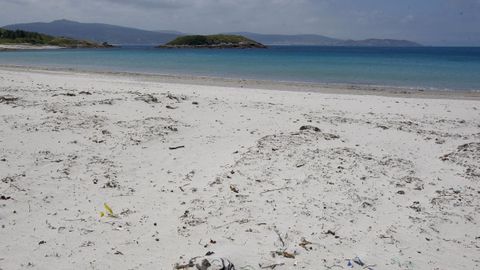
(32, 38)
(97, 32)
(213, 41)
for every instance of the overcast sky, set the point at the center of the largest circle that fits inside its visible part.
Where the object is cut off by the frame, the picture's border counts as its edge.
(431, 22)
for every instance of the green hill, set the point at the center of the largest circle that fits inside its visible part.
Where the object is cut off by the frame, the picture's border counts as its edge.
(213, 41)
(32, 38)
(97, 32)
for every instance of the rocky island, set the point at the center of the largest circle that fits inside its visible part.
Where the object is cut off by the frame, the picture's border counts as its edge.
(213, 42)
(18, 40)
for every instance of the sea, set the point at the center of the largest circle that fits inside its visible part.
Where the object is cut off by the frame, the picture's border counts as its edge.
(436, 68)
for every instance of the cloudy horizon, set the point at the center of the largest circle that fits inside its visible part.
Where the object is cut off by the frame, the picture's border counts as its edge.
(430, 22)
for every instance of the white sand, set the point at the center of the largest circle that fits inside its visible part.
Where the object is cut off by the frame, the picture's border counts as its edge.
(392, 180)
(27, 47)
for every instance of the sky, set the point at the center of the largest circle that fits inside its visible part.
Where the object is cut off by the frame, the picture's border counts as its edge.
(430, 22)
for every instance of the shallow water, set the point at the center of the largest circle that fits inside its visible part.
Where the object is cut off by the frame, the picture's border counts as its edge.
(425, 67)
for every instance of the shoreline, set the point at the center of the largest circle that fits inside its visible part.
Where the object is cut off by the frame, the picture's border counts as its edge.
(325, 88)
(27, 47)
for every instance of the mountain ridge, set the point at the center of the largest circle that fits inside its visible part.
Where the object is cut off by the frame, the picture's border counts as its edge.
(300, 39)
(320, 40)
(98, 32)
(114, 34)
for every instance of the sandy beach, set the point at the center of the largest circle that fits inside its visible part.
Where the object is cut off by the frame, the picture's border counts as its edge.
(196, 169)
(16, 47)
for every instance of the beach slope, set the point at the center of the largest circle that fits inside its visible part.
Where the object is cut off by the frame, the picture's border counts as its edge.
(104, 171)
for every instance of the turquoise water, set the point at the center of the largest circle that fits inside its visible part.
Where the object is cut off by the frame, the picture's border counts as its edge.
(425, 67)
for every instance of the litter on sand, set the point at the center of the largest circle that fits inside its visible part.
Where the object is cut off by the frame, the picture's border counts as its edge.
(201, 263)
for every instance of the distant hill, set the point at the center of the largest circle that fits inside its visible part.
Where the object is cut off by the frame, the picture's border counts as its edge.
(213, 41)
(124, 35)
(319, 40)
(9, 37)
(290, 39)
(380, 43)
(97, 32)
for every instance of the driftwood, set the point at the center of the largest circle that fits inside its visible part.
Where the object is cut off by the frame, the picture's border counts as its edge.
(275, 189)
(271, 266)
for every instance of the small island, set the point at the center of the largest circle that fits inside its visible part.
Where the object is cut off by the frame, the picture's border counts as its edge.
(18, 40)
(213, 42)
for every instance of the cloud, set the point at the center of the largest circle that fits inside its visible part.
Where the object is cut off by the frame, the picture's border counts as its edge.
(167, 4)
(407, 19)
(426, 21)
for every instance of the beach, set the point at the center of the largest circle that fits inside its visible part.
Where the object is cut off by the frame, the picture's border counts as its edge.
(20, 47)
(131, 171)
